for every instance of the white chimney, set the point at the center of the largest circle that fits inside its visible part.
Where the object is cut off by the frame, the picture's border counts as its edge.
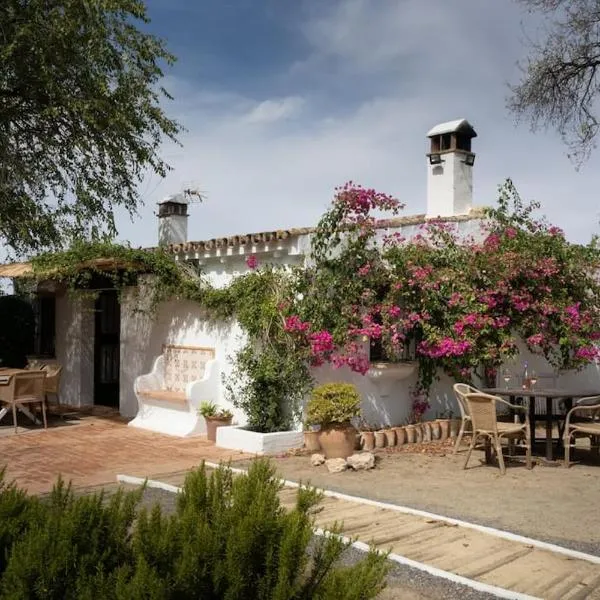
(172, 220)
(450, 169)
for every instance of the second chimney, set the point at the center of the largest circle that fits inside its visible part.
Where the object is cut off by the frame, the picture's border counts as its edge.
(450, 169)
(172, 220)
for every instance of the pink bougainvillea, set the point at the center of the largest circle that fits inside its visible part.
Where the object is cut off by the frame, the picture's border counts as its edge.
(252, 262)
(452, 303)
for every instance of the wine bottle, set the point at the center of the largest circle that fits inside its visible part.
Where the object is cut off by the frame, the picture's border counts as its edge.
(526, 382)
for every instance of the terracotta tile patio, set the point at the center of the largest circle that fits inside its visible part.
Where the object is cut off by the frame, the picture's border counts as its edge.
(93, 450)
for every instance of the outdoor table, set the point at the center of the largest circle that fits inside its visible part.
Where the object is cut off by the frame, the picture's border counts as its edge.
(550, 394)
(5, 377)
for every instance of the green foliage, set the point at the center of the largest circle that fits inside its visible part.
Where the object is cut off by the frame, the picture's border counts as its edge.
(77, 266)
(269, 385)
(81, 117)
(207, 408)
(229, 539)
(71, 547)
(17, 329)
(210, 410)
(332, 403)
(270, 376)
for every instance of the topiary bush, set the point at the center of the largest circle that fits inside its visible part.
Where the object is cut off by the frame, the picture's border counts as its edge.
(333, 403)
(229, 539)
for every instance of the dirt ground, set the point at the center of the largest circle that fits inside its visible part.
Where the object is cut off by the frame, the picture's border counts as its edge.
(548, 503)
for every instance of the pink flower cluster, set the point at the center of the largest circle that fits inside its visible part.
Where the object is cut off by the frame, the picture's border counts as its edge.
(360, 201)
(352, 357)
(295, 324)
(321, 342)
(588, 353)
(535, 340)
(252, 262)
(444, 348)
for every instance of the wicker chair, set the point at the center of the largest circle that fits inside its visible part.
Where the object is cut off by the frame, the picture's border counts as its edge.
(588, 426)
(460, 391)
(482, 409)
(26, 388)
(53, 372)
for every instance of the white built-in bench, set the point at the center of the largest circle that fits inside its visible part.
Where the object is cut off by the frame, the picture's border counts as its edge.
(170, 395)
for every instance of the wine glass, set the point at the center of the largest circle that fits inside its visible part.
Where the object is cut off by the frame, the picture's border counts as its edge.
(506, 376)
(533, 378)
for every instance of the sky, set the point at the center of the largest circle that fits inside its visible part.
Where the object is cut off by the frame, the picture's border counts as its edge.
(283, 100)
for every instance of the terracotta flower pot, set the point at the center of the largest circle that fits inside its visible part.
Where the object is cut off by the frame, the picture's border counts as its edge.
(410, 434)
(426, 430)
(390, 437)
(367, 440)
(400, 436)
(211, 427)
(418, 433)
(435, 430)
(444, 429)
(379, 439)
(454, 427)
(311, 441)
(337, 441)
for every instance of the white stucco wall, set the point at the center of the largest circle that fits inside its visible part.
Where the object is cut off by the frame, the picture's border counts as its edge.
(176, 322)
(75, 349)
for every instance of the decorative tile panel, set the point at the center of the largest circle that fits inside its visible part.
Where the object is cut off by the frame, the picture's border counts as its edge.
(184, 364)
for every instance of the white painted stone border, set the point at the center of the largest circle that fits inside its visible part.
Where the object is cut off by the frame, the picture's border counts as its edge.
(398, 558)
(408, 562)
(235, 437)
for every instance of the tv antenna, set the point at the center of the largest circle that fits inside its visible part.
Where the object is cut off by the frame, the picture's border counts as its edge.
(190, 194)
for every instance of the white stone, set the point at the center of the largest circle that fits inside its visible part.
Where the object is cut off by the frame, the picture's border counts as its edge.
(236, 437)
(336, 465)
(361, 461)
(317, 459)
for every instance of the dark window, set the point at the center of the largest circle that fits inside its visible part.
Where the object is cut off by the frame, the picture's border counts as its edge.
(463, 142)
(45, 326)
(446, 142)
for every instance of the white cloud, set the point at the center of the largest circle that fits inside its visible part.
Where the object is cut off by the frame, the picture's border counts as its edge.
(378, 76)
(270, 111)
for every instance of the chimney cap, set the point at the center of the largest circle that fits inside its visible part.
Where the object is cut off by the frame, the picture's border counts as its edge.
(180, 198)
(458, 126)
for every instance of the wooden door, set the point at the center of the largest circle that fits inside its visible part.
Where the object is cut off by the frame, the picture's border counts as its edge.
(106, 349)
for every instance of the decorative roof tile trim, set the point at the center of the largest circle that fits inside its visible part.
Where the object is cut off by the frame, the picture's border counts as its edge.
(25, 269)
(266, 237)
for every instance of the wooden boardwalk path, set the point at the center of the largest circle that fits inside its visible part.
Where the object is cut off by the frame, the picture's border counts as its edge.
(483, 557)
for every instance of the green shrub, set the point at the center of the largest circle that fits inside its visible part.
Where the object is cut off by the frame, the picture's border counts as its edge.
(333, 403)
(229, 539)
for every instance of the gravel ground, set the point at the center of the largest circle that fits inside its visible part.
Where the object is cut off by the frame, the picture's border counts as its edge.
(404, 583)
(551, 504)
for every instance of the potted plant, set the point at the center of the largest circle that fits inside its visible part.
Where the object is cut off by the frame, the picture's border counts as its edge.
(333, 406)
(311, 438)
(214, 417)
